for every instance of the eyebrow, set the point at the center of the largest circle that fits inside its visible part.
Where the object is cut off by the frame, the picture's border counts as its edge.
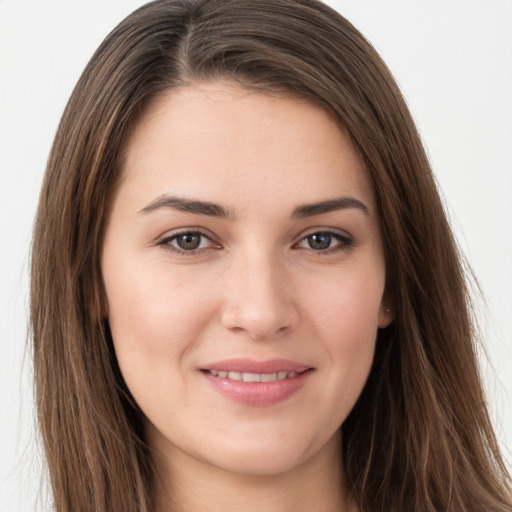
(214, 210)
(331, 205)
(189, 206)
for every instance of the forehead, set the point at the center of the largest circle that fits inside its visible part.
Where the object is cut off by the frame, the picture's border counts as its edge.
(208, 139)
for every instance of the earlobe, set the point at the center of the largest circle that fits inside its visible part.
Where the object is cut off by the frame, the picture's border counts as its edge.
(386, 316)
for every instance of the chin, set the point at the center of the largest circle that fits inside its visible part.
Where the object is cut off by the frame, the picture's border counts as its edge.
(262, 462)
(269, 457)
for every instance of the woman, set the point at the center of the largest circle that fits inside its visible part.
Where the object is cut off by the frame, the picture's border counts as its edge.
(244, 283)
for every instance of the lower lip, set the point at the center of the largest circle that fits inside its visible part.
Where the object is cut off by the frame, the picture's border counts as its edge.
(258, 393)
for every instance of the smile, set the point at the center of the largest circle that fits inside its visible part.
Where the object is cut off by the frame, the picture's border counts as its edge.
(254, 377)
(253, 383)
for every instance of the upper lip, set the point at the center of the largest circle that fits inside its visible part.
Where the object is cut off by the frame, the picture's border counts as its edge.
(252, 366)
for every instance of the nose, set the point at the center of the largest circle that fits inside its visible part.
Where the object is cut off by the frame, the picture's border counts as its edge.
(259, 298)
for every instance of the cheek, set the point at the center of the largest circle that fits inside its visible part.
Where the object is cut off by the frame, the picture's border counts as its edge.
(347, 306)
(156, 322)
(155, 317)
(345, 315)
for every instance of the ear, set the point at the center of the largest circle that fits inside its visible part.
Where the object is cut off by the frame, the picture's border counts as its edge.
(386, 314)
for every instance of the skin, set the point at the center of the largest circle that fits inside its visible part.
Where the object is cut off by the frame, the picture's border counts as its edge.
(255, 288)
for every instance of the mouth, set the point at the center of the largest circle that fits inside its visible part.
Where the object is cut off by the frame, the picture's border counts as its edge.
(255, 383)
(255, 377)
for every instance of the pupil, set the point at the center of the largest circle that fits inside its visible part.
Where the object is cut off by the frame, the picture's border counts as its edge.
(319, 241)
(189, 242)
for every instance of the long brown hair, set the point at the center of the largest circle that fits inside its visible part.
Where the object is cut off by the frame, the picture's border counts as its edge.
(419, 437)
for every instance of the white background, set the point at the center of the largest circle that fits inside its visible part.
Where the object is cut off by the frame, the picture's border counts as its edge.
(453, 60)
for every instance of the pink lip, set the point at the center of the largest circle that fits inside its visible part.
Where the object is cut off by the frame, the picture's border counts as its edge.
(258, 393)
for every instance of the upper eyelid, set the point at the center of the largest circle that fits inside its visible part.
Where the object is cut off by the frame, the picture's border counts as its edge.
(169, 235)
(319, 229)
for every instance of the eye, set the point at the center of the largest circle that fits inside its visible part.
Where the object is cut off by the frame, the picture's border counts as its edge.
(325, 241)
(187, 242)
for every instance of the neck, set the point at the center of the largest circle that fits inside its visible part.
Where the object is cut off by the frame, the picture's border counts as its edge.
(191, 485)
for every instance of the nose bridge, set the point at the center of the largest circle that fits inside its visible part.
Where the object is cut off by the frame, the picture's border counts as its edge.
(258, 296)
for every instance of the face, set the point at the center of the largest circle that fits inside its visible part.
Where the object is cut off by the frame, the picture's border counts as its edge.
(244, 275)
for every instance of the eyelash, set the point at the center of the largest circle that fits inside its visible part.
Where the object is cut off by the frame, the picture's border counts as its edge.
(345, 242)
(166, 242)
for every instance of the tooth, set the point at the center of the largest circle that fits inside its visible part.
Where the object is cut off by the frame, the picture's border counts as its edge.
(251, 377)
(254, 377)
